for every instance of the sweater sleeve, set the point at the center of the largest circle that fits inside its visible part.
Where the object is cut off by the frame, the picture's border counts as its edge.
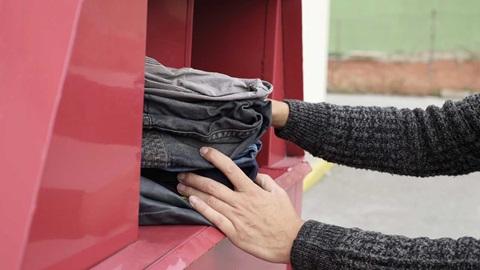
(434, 141)
(323, 246)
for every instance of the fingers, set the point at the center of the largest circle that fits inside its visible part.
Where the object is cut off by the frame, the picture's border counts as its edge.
(206, 185)
(219, 220)
(210, 200)
(267, 183)
(228, 167)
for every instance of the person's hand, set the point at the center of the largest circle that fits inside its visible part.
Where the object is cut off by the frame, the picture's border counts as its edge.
(280, 113)
(259, 219)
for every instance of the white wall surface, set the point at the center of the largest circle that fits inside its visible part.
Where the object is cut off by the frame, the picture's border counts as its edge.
(315, 19)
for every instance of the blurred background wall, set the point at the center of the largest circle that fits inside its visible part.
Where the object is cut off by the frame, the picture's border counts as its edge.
(404, 46)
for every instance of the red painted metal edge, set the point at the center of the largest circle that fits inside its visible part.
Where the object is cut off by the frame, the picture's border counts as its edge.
(190, 250)
(158, 245)
(293, 48)
(273, 71)
(293, 57)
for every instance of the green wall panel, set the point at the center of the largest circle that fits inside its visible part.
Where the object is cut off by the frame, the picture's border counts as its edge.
(404, 26)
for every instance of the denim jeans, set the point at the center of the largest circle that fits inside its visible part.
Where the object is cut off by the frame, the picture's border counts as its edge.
(160, 203)
(250, 154)
(192, 84)
(244, 159)
(174, 130)
(250, 169)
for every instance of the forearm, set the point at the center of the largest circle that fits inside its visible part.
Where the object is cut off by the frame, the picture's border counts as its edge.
(435, 141)
(322, 246)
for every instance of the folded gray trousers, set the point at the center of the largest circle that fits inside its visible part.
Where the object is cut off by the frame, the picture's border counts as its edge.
(186, 108)
(193, 84)
(162, 205)
(174, 130)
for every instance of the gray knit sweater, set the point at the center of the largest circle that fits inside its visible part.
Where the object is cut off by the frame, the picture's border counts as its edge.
(435, 141)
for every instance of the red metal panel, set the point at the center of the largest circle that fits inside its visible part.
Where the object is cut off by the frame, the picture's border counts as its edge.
(169, 31)
(31, 76)
(71, 118)
(292, 44)
(163, 246)
(293, 55)
(274, 72)
(79, 112)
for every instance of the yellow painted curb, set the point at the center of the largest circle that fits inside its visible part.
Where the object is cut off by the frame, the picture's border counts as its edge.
(319, 169)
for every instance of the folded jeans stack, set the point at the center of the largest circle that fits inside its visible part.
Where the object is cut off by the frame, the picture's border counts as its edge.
(185, 109)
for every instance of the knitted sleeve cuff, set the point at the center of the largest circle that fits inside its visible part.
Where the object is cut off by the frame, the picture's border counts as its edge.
(315, 245)
(289, 130)
(304, 124)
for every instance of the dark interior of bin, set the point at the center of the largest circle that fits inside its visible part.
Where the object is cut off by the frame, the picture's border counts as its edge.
(185, 33)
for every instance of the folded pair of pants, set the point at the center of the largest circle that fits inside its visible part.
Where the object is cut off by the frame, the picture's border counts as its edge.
(174, 130)
(249, 156)
(250, 169)
(245, 159)
(160, 203)
(193, 84)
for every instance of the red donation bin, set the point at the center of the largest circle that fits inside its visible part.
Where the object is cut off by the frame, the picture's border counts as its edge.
(71, 76)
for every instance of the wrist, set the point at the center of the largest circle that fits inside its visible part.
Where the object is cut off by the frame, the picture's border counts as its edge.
(292, 235)
(280, 111)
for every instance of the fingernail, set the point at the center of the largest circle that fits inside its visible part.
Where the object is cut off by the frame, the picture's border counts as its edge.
(193, 200)
(203, 150)
(180, 176)
(180, 187)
